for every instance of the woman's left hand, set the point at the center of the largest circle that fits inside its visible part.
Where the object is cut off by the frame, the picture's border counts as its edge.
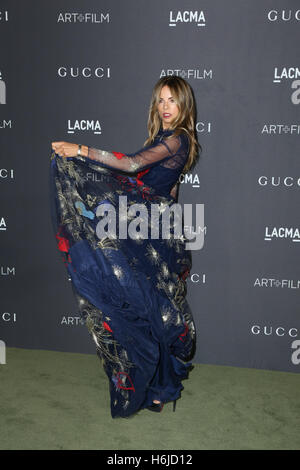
(65, 149)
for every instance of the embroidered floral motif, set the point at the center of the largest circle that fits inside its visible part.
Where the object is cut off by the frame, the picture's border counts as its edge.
(119, 155)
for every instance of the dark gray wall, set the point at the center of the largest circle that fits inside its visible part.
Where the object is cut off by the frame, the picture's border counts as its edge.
(244, 287)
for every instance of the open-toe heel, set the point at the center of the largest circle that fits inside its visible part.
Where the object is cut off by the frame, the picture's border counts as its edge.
(156, 407)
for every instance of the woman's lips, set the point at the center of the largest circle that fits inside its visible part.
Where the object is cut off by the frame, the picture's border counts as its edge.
(166, 114)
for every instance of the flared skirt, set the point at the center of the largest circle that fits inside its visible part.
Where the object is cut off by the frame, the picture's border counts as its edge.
(130, 286)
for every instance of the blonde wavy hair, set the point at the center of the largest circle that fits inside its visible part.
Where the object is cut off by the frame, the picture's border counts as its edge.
(185, 120)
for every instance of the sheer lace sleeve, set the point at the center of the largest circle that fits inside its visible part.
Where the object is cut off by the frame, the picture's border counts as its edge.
(138, 161)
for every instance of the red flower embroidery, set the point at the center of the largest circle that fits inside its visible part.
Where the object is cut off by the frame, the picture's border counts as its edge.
(185, 274)
(63, 243)
(146, 193)
(119, 155)
(119, 384)
(106, 326)
(141, 173)
(184, 333)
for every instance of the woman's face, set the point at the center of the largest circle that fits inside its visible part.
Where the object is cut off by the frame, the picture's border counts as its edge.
(167, 108)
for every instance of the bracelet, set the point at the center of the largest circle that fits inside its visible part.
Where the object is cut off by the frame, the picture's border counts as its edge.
(79, 150)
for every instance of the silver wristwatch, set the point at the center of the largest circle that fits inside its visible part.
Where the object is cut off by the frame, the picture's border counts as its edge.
(79, 150)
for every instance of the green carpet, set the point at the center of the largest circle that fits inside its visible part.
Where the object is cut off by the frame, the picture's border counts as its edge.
(56, 400)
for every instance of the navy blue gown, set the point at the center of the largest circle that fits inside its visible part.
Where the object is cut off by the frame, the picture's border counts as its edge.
(131, 291)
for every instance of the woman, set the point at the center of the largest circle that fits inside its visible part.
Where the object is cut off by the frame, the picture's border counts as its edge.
(131, 290)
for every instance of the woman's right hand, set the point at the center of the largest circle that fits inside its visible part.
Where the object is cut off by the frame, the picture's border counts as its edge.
(67, 149)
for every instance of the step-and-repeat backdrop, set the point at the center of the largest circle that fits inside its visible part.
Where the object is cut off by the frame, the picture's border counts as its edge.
(83, 72)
